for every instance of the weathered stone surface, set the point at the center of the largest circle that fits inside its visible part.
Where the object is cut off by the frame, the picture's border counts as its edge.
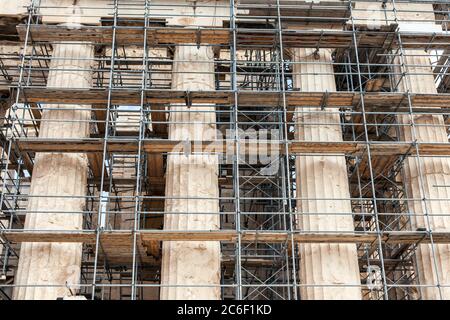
(328, 271)
(187, 13)
(14, 8)
(193, 266)
(426, 178)
(48, 270)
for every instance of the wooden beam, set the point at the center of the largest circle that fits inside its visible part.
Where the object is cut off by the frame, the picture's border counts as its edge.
(159, 146)
(126, 35)
(120, 237)
(99, 111)
(159, 119)
(372, 100)
(95, 163)
(170, 35)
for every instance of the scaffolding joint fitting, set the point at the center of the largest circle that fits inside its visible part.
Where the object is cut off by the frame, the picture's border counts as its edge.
(198, 36)
(431, 42)
(324, 101)
(187, 99)
(316, 52)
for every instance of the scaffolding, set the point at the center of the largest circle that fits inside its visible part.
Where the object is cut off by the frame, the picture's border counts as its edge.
(257, 106)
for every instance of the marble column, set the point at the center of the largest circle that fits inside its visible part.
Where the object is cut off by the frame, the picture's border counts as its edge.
(327, 271)
(426, 179)
(191, 269)
(48, 270)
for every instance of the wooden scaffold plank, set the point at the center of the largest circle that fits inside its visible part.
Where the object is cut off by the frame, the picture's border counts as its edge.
(118, 238)
(229, 146)
(170, 35)
(373, 101)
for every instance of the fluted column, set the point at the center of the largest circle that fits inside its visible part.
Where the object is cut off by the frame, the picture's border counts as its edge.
(191, 265)
(45, 266)
(328, 271)
(427, 178)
